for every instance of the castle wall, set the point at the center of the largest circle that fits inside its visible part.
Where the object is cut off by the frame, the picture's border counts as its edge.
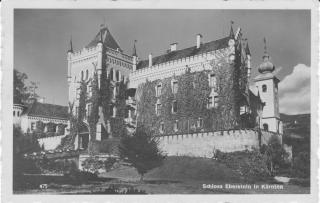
(50, 143)
(204, 144)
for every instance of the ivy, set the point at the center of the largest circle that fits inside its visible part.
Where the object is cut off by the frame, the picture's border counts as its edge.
(94, 114)
(192, 99)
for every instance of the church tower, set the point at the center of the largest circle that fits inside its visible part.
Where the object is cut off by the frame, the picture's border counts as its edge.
(267, 84)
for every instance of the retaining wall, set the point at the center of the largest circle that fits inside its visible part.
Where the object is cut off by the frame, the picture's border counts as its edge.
(205, 143)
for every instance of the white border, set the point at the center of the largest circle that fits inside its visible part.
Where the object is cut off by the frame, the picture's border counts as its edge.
(7, 55)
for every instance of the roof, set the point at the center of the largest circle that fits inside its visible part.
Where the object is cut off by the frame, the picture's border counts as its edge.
(255, 98)
(47, 110)
(183, 53)
(108, 39)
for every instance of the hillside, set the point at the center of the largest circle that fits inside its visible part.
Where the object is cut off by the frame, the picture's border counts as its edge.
(296, 131)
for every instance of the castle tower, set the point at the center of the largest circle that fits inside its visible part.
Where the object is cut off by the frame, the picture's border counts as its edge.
(267, 84)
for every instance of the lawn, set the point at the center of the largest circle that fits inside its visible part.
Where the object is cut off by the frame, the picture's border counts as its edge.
(178, 175)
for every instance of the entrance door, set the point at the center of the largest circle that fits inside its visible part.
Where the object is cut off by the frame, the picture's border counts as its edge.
(84, 141)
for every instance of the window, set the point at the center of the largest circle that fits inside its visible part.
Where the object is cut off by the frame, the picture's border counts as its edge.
(215, 101)
(33, 126)
(200, 123)
(114, 112)
(90, 90)
(111, 74)
(18, 113)
(14, 113)
(81, 75)
(158, 90)
(265, 127)
(87, 74)
(117, 75)
(244, 109)
(158, 109)
(174, 107)
(174, 87)
(210, 102)
(212, 81)
(161, 127)
(77, 111)
(175, 126)
(264, 88)
(89, 110)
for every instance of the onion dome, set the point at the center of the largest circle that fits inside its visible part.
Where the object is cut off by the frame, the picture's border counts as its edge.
(266, 66)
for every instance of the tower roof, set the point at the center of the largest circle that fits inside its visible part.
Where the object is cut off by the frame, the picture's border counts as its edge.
(134, 51)
(107, 39)
(247, 49)
(266, 66)
(231, 35)
(70, 46)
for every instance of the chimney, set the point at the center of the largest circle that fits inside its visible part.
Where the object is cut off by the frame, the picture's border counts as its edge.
(150, 60)
(173, 46)
(199, 36)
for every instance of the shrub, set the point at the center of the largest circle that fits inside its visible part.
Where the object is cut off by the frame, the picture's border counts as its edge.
(249, 165)
(301, 165)
(141, 151)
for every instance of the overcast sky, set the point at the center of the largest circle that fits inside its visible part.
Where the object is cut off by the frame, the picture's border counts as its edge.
(41, 40)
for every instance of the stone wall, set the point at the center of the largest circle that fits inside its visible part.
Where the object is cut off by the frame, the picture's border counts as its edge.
(204, 144)
(50, 143)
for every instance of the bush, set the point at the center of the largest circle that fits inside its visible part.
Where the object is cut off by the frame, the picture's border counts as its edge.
(249, 165)
(301, 165)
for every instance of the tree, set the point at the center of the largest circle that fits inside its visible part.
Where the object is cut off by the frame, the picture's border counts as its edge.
(21, 91)
(275, 153)
(141, 151)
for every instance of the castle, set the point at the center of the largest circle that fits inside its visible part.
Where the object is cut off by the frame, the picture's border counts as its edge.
(199, 91)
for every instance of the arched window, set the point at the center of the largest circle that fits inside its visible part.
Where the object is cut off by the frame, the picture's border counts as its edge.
(87, 74)
(117, 75)
(264, 88)
(81, 75)
(14, 113)
(111, 74)
(265, 127)
(18, 113)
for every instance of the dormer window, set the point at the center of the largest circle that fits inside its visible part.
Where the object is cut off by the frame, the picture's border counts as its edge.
(264, 88)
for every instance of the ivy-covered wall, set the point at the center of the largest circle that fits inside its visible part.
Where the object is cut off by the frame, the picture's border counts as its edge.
(192, 100)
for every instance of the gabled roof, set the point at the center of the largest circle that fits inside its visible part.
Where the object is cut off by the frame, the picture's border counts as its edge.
(45, 110)
(183, 53)
(107, 38)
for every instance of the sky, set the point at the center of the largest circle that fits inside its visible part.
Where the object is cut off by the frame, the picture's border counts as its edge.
(41, 39)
